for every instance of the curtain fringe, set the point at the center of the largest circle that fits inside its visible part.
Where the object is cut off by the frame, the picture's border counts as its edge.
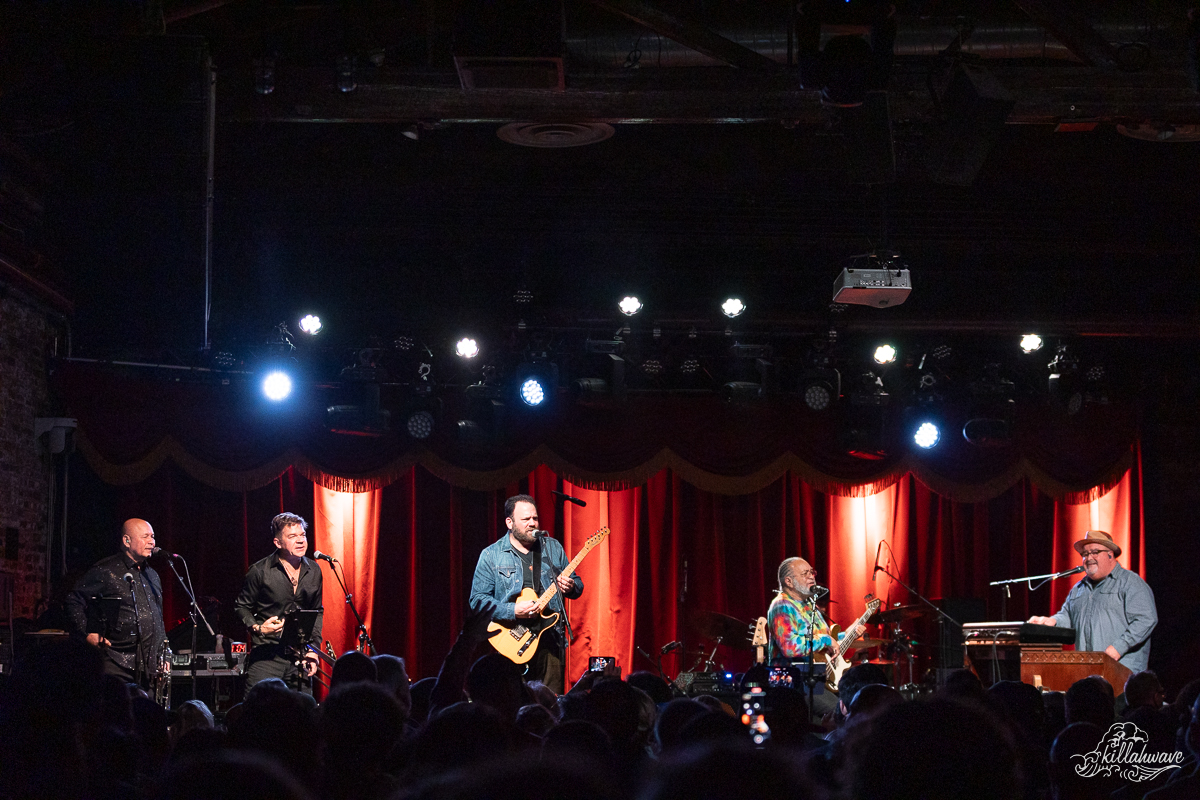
(247, 480)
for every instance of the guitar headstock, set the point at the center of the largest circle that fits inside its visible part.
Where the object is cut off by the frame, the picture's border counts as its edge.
(759, 637)
(597, 537)
(873, 604)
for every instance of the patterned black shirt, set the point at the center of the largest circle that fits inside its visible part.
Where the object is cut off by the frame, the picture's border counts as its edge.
(106, 578)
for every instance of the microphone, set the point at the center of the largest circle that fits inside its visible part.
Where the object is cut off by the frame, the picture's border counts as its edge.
(319, 556)
(128, 576)
(878, 550)
(158, 550)
(666, 648)
(819, 591)
(568, 498)
(1075, 571)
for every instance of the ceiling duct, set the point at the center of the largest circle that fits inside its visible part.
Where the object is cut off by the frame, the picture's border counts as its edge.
(612, 45)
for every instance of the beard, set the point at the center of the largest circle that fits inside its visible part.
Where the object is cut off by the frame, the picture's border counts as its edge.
(526, 537)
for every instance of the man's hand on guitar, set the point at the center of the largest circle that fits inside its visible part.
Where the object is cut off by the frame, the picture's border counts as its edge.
(526, 609)
(311, 663)
(565, 583)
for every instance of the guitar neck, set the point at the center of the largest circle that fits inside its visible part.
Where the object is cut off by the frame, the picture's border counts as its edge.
(552, 589)
(852, 633)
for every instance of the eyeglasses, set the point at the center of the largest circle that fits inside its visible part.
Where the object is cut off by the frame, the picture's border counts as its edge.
(1086, 553)
(808, 573)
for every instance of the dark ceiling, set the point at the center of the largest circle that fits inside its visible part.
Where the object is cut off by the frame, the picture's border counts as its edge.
(739, 179)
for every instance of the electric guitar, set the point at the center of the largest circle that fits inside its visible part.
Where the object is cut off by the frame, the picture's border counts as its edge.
(837, 664)
(758, 640)
(518, 640)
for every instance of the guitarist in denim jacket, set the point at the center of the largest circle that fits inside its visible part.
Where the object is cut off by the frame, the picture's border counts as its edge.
(508, 566)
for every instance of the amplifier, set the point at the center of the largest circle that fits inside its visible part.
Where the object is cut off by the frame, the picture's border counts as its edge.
(208, 664)
(694, 683)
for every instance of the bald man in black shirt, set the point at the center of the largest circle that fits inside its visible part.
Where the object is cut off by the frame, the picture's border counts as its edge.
(132, 642)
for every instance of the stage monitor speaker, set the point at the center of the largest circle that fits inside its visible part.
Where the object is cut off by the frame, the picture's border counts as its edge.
(975, 107)
(950, 646)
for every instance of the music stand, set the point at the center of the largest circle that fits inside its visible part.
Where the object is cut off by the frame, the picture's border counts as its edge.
(296, 634)
(298, 628)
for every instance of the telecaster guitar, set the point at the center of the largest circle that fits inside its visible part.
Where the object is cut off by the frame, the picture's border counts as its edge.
(518, 640)
(837, 664)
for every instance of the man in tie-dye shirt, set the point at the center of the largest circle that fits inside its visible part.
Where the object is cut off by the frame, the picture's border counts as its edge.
(792, 618)
(794, 613)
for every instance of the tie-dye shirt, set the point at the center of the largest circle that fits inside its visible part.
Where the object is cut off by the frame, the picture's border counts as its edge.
(789, 621)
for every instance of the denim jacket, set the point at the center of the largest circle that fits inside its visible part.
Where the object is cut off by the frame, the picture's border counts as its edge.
(498, 577)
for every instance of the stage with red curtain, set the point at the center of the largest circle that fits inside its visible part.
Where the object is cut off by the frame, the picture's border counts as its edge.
(408, 551)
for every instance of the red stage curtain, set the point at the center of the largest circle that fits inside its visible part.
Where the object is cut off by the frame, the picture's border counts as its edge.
(676, 553)
(346, 526)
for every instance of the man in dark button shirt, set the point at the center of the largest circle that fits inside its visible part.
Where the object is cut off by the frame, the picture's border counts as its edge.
(274, 587)
(132, 641)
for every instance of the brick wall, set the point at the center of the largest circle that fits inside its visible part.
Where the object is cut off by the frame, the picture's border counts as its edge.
(26, 337)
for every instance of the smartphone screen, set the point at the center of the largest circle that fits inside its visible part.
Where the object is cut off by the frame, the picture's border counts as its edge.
(599, 663)
(779, 677)
(754, 707)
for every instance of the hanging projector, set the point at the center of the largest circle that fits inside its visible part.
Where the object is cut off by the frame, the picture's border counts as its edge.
(873, 279)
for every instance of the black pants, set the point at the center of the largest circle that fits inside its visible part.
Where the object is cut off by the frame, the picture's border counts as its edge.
(270, 661)
(547, 663)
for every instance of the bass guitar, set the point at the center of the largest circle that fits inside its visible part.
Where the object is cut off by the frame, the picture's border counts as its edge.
(836, 664)
(518, 640)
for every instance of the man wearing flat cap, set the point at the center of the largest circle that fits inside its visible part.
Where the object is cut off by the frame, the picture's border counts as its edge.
(1112, 609)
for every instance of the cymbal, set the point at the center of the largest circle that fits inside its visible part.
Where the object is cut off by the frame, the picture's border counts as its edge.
(729, 630)
(897, 614)
(866, 644)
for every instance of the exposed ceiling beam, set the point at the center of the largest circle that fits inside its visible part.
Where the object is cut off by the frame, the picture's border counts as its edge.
(308, 95)
(1073, 30)
(698, 37)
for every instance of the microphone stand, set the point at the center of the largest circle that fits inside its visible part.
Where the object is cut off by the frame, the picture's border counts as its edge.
(1051, 576)
(137, 627)
(193, 611)
(1007, 584)
(810, 676)
(364, 638)
(943, 617)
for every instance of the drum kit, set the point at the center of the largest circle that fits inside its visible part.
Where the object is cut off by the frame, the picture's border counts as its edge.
(889, 648)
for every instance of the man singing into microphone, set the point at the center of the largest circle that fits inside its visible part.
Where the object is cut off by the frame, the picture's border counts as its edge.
(132, 640)
(796, 626)
(1112, 609)
(275, 586)
(527, 559)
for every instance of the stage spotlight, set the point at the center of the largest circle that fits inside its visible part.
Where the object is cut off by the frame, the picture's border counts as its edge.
(820, 387)
(818, 396)
(467, 348)
(690, 366)
(311, 324)
(1031, 343)
(885, 354)
(277, 385)
(927, 435)
(652, 366)
(420, 424)
(629, 305)
(532, 392)
(733, 307)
